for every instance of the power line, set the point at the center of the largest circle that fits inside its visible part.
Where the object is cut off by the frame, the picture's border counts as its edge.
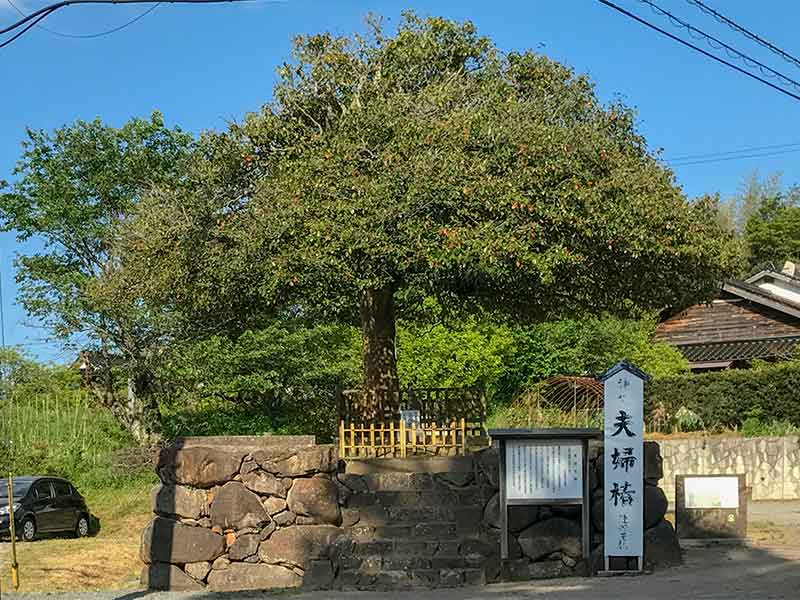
(89, 35)
(745, 32)
(730, 50)
(698, 49)
(730, 152)
(29, 26)
(728, 158)
(32, 19)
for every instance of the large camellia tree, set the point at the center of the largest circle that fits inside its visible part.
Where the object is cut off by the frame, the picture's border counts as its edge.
(426, 164)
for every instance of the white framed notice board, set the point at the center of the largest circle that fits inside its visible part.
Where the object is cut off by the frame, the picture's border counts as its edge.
(544, 466)
(539, 470)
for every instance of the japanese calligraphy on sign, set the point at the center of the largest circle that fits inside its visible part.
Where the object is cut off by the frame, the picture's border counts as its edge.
(623, 477)
(543, 471)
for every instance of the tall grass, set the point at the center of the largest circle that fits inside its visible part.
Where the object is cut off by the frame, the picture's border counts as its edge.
(62, 434)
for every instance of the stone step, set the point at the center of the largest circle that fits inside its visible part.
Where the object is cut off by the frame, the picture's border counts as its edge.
(467, 517)
(412, 464)
(426, 531)
(464, 548)
(467, 497)
(403, 579)
(430, 482)
(396, 561)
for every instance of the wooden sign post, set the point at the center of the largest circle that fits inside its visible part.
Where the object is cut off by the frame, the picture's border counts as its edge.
(544, 466)
(623, 479)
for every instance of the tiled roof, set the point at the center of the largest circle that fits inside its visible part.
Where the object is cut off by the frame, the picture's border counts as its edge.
(740, 350)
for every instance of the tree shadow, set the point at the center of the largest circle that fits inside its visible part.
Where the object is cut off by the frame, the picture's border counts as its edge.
(724, 572)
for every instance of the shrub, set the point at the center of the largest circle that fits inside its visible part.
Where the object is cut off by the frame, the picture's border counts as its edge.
(730, 399)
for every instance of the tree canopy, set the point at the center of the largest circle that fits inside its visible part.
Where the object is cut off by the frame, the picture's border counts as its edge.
(426, 164)
(74, 189)
(772, 233)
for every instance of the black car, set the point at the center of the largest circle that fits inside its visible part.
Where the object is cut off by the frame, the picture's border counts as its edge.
(43, 505)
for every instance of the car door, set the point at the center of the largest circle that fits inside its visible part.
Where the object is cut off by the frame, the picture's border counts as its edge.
(64, 515)
(43, 505)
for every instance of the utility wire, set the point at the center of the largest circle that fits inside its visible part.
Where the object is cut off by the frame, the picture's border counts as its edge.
(729, 158)
(30, 25)
(730, 152)
(89, 35)
(745, 32)
(46, 11)
(718, 44)
(698, 49)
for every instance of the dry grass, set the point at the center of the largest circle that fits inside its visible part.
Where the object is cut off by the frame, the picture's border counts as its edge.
(109, 561)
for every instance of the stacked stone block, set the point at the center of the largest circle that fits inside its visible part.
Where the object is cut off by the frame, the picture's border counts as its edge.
(235, 517)
(268, 514)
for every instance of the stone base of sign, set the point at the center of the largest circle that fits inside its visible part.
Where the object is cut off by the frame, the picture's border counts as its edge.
(272, 514)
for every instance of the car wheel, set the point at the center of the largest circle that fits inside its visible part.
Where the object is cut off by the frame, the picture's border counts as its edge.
(28, 533)
(82, 528)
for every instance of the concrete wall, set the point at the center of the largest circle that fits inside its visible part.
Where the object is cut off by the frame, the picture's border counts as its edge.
(771, 464)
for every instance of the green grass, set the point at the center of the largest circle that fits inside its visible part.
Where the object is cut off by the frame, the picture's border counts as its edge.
(64, 435)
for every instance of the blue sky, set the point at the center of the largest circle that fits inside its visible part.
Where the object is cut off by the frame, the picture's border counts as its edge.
(203, 65)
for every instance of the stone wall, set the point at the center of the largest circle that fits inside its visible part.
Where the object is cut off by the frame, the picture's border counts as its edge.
(263, 513)
(771, 464)
(252, 513)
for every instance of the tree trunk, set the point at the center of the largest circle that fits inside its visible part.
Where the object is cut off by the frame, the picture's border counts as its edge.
(381, 384)
(136, 411)
(144, 419)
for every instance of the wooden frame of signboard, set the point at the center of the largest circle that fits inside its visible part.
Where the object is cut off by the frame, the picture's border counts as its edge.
(546, 438)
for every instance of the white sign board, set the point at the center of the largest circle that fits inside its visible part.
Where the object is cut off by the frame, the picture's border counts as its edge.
(711, 492)
(410, 417)
(623, 482)
(544, 471)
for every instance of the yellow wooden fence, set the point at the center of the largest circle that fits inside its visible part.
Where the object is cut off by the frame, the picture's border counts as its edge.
(396, 439)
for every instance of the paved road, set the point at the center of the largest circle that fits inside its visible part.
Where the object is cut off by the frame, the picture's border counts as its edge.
(717, 573)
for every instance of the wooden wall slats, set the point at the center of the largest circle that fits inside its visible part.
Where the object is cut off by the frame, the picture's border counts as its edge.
(724, 321)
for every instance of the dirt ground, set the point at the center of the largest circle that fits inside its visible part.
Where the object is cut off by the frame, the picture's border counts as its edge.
(109, 561)
(767, 568)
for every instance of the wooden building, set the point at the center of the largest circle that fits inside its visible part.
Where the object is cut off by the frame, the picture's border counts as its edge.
(754, 319)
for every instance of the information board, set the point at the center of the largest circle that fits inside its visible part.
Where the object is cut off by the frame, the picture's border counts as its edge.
(623, 456)
(711, 492)
(544, 470)
(410, 417)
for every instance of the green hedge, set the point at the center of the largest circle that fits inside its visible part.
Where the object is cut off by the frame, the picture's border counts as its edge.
(725, 399)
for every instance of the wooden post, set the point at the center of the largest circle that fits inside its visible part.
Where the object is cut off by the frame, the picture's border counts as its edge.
(434, 436)
(503, 508)
(353, 448)
(463, 436)
(391, 437)
(373, 450)
(402, 438)
(342, 452)
(586, 521)
(414, 438)
(12, 531)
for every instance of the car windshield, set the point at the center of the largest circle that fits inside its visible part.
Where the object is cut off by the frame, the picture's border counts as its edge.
(20, 488)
